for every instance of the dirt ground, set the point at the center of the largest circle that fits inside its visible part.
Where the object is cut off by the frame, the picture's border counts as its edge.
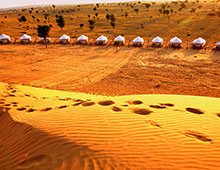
(112, 71)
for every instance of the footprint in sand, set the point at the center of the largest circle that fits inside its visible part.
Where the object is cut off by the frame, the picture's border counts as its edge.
(21, 108)
(2, 102)
(46, 109)
(218, 114)
(62, 107)
(30, 110)
(124, 105)
(158, 107)
(116, 109)
(14, 105)
(106, 103)
(153, 123)
(88, 103)
(7, 105)
(34, 162)
(142, 111)
(198, 136)
(135, 102)
(11, 95)
(193, 110)
(167, 104)
(14, 102)
(77, 104)
(13, 91)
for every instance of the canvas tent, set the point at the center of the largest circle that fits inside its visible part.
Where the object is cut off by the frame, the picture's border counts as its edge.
(157, 41)
(5, 39)
(83, 40)
(102, 40)
(199, 42)
(138, 41)
(176, 42)
(119, 40)
(25, 39)
(42, 39)
(217, 45)
(64, 39)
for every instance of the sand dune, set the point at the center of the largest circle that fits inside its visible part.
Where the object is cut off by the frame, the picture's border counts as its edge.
(48, 129)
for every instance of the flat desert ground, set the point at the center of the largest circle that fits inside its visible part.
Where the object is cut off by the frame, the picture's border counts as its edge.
(112, 70)
(129, 120)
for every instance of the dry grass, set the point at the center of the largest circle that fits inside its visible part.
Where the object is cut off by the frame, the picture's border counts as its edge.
(182, 23)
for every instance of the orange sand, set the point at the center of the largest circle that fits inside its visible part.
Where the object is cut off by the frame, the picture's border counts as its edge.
(112, 71)
(48, 129)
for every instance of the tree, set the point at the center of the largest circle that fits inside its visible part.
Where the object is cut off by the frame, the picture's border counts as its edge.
(94, 9)
(60, 21)
(193, 10)
(92, 24)
(54, 6)
(43, 31)
(107, 16)
(126, 14)
(38, 20)
(112, 23)
(136, 10)
(112, 17)
(89, 16)
(96, 14)
(147, 5)
(81, 26)
(91, 27)
(22, 19)
(200, 6)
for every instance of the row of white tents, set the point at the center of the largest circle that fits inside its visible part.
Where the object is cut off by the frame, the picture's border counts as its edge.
(103, 40)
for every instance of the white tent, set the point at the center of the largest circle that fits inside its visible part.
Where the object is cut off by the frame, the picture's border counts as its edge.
(5, 38)
(120, 39)
(157, 41)
(25, 38)
(175, 42)
(41, 38)
(102, 39)
(138, 40)
(83, 39)
(64, 38)
(218, 44)
(199, 42)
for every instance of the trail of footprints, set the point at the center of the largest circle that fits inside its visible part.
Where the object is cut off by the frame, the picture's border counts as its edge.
(86, 103)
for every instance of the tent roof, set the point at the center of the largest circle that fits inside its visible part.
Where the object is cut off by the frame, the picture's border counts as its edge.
(102, 38)
(83, 37)
(157, 39)
(65, 37)
(3, 36)
(138, 39)
(199, 41)
(119, 38)
(25, 36)
(218, 43)
(176, 40)
(47, 38)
